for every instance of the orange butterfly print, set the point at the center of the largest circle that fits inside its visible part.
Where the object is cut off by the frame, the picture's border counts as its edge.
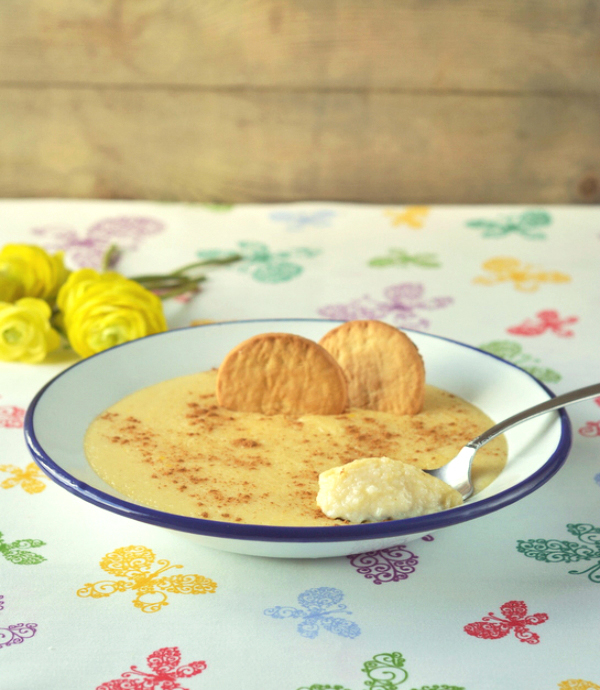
(413, 216)
(524, 277)
(29, 478)
(134, 564)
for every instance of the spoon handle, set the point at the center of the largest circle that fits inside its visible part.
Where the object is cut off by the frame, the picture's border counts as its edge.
(548, 406)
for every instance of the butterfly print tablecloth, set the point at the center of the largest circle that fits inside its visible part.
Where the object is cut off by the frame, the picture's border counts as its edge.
(511, 601)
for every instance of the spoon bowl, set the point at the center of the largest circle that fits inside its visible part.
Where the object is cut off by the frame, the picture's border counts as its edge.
(457, 472)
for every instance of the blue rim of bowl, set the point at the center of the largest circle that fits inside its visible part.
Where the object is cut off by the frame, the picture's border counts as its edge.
(273, 533)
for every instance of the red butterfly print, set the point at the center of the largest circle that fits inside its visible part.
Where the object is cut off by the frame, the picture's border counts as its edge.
(590, 429)
(11, 417)
(165, 672)
(548, 320)
(516, 619)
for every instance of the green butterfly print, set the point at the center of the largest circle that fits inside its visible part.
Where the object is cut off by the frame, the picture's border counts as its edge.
(513, 352)
(263, 264)
(400, 257)
(18, 551)
(384, 672)
(527, 225)
(557, 551)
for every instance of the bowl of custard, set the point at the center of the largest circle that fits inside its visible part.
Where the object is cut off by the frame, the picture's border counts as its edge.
(137, 430)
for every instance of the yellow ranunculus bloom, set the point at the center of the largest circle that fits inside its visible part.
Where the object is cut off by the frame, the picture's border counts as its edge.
(79, 282)
(100, 310)
(25, 331)
(11, 289)
(37, 273)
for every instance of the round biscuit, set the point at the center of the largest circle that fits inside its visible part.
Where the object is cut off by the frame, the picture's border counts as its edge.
(281, 373)
(383, 366)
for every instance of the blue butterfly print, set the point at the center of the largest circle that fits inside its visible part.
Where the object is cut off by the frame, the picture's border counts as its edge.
(299, 220)
(319, 604)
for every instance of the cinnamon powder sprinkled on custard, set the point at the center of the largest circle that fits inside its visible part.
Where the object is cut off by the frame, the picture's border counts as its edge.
(205, 461)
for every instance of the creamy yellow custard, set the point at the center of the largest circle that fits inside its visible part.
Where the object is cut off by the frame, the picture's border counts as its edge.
(172, 448)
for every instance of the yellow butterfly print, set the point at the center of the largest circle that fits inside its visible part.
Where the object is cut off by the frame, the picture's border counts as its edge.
(413, 216)
(524, 277)
(575, 684)
(27, 478)
(134, 563)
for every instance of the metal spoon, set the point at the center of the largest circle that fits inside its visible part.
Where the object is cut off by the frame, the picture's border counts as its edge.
(457, 472)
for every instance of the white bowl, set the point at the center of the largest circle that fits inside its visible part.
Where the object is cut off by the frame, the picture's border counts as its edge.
(60, 413)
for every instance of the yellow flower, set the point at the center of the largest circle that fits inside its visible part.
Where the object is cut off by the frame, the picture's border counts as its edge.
(100, 310)
(29, 271)
(11, 289)
(25, 331)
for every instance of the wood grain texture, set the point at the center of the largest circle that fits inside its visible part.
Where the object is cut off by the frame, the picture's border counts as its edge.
(536, 45)
(248, 146)
(420, 101)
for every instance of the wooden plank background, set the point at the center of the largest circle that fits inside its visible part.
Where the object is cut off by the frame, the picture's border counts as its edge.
(388, 101)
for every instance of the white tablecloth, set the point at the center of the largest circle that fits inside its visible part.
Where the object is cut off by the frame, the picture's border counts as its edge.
(464, 608)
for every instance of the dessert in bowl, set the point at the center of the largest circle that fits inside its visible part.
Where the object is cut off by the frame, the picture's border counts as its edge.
(58, 419)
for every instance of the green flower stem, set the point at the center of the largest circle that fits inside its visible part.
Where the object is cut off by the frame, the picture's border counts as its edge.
(179, 282)
(169, 286)
(175, 283)
(109, 258)
(216, 261)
